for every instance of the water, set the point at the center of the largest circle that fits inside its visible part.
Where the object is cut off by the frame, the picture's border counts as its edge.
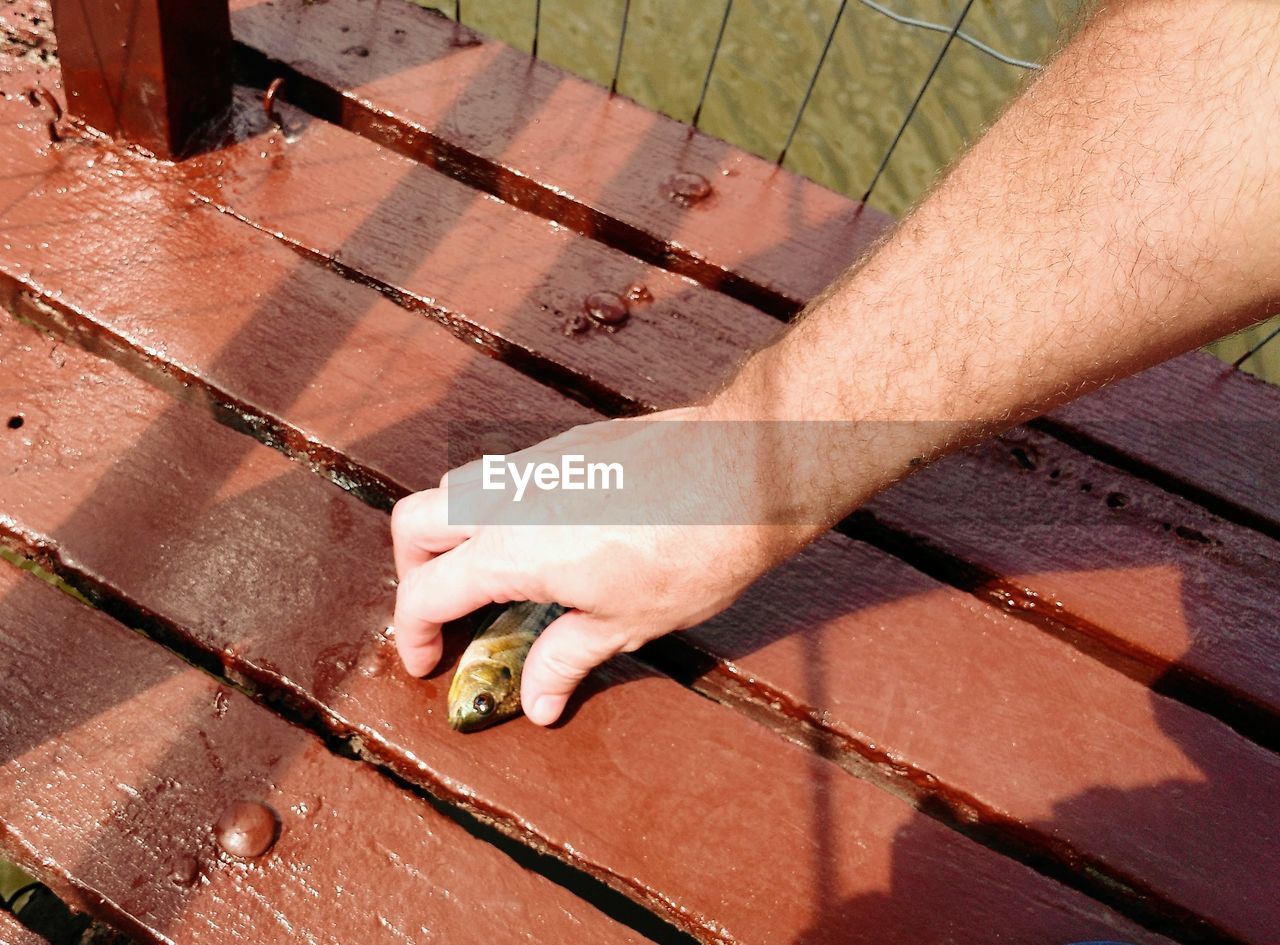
(871, 75)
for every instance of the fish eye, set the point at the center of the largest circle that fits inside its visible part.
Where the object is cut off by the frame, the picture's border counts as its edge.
(483, 703)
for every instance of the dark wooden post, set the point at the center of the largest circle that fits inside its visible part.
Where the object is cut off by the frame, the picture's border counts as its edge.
(153, 72)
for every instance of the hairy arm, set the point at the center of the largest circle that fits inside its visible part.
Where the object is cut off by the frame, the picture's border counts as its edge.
(1121, 212)
(1124, 210)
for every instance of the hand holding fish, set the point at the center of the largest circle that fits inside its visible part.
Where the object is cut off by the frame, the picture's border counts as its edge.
(651, 571)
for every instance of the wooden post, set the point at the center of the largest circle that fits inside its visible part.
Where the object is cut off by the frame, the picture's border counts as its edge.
(156, 73)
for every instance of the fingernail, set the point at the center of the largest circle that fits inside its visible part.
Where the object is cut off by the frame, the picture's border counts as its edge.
(545, 710)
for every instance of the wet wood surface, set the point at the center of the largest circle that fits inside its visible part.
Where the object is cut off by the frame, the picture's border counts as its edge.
(336, 355)
(288, 187)
(1007, 516)
(1183, 599)
(229, 591)
(246, 562)
(1009, 528)
(1000, 723)
(118, 762)
(197, 298)
(26, 30)
(559, 146)
(535, 135)
(521, 284)
(1145, 422)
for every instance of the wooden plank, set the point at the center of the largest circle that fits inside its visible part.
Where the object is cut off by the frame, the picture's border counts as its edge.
(256, 293)
(285, 195)
(517, 282)
(151, 318)
(533, 133)
(156, 73)
(1230, 419)
(1086, 549)
(25, 30)
(187, 342)
(1007, 728)
(661, 793)
(459, 237)
(13, 932)
(291, 192)
(559, 146)
(119, 760)
(1219, 459)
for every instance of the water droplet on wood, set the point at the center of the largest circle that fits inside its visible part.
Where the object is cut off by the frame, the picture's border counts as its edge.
(246, 829)
(687, 189)
(608, 308)
(638, 293)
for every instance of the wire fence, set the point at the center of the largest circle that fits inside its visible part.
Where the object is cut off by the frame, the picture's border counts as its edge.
(873, 98)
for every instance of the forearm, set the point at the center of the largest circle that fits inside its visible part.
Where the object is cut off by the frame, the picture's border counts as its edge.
(1121, 212)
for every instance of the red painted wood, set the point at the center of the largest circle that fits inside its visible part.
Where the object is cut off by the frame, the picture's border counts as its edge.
(532, 133)
(186, 347)
(12, 932)
(459, 240)
(664, 794)
(1223, 462)
(26, 30)
(117, 759)
(1078, 544)
(515, 280)
(1196, 425)
(104, 299)
(388, 402)
(307, 173)
(553, 143)
(1006, 725)
(156, 73)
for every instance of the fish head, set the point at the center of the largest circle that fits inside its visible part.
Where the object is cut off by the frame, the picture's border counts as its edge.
(483, 693)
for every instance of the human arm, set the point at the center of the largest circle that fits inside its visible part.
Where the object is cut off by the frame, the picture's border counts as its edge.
(1120, 213)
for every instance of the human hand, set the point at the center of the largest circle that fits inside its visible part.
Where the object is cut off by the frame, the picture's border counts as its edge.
(684, 538)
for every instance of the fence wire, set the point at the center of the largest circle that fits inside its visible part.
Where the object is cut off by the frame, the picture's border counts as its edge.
(936, 138)
(636, 74)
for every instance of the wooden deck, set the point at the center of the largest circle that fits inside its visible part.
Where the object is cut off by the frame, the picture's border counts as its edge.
(1029, 696)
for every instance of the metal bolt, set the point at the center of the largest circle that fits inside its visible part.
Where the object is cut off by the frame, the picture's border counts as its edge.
(269, 102)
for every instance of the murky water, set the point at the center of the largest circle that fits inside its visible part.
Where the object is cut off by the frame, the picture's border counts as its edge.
(868, 81)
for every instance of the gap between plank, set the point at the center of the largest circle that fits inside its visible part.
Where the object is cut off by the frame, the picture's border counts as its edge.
(1234, 710)
(328, 104)
(683, 662)
(604, 892)
(256, 69)
(1083, 442)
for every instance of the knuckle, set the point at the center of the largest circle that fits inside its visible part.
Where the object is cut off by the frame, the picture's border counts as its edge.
(403, 514)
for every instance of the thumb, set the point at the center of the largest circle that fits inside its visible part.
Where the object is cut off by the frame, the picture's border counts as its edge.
(573, 645)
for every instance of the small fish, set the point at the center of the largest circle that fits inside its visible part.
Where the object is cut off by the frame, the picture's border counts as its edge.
(486, 687)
